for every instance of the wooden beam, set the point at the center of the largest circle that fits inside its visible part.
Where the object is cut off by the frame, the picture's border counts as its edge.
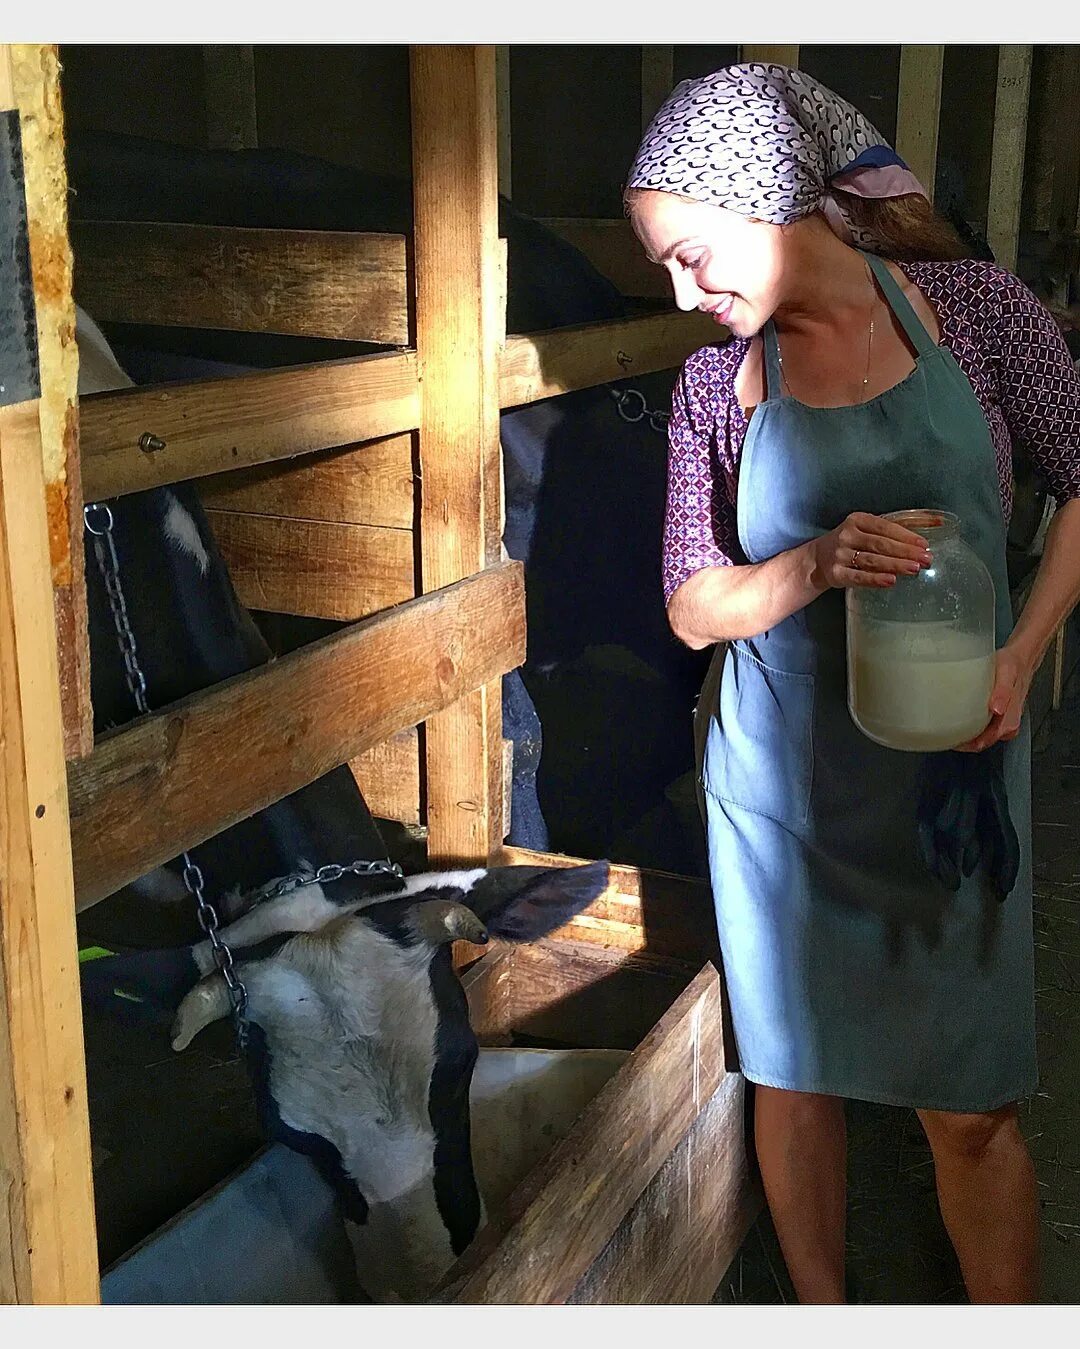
(388, 775)
(35, 91)
(457, 255)
(312, 568)
(918, 111)
(211, 426)
(503, 118)
(48, 1250)
(657, 80)
(615, 251)
(302, 283)
(770, 54)
(372, 484)
(174, 778)
(540, 1245)
(577, 358)
(231, 109)
(1007, 155)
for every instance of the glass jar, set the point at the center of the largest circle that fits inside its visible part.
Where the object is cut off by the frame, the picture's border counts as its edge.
(921, 652)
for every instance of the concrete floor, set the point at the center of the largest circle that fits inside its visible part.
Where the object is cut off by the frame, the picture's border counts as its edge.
(897, 1248)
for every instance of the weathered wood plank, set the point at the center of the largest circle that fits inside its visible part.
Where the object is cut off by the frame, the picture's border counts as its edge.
(211, 426)
(232, 119)
(145, 793)
(35, 90)
(303, 283)
(770, 53)
(1007, 155)
(560, 1219)
(615, 251)
(657, 80)
(372, 484)
(641, 910)
(48, 1251)
(679, 1239)
(388, 775)
(458, 292)
(918, 111)
(312, 568)
(546, 364)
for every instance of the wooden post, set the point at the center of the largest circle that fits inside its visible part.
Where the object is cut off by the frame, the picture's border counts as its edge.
(770, 54)
(35, 80)
(455, 171)
(918, 111)
(48, 1251)
(657, 80)
(232, 121)
(502, 93)
(1007, 157)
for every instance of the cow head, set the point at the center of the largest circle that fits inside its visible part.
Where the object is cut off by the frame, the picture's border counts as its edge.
(360, 1047)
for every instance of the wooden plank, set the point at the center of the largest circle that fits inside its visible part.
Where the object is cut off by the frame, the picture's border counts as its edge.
(303, 283)
(1007, 156)
(388, 775)
(679, 1239)
(231, 110)
(145, 793)
(212, 426)
(555, 362)
(657, 80)
(615, 251)
(641, 910)
(918, 111)
(770, 54)
(503, 118)
(372, 484)
(48, 1249)
(34, 76)
(560, 1219)
(458, 292)
(312, 568)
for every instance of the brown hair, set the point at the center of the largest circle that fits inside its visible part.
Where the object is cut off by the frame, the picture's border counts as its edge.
(907, 228)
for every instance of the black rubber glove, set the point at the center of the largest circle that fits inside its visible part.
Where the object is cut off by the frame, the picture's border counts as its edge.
(964, 821)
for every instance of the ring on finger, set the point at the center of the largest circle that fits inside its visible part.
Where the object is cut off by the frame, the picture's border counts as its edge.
(855, 558)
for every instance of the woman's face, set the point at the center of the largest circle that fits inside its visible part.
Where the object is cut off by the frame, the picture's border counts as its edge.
(719, 261)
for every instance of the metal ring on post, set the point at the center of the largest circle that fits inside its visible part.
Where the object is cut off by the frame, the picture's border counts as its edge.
(89, 513)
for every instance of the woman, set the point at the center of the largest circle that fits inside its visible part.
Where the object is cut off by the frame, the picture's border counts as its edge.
(871, 369)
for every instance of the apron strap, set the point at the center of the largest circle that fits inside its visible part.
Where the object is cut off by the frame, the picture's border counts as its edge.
(771, 346)
(898, 302)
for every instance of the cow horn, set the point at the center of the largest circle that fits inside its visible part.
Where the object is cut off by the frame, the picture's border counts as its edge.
(208, 1001)
(440, 921)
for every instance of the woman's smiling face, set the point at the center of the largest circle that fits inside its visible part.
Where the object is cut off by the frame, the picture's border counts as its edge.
(720, 262)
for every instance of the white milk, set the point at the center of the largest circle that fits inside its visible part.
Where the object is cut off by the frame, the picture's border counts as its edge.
(920, 686)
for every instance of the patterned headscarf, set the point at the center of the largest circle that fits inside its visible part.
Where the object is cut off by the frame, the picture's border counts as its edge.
(769, 142)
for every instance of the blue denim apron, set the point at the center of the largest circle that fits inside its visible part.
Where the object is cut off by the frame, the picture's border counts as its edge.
(850, 970)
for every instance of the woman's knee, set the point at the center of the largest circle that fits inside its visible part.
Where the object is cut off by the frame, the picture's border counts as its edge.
(969, 1137)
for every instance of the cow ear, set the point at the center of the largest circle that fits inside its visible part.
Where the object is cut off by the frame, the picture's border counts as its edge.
(208, 1001)
(520, 904)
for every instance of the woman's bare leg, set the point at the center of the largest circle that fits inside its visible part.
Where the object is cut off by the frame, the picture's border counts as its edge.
(989, 1201)
(801, 1141)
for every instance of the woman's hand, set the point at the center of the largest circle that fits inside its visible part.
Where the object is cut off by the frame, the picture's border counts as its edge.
(867, 551)
(1013, 673)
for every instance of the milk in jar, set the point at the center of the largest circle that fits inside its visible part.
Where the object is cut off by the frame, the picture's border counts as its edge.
(921, 653)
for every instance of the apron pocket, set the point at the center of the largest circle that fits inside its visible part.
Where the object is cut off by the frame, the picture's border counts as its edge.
(760, 751)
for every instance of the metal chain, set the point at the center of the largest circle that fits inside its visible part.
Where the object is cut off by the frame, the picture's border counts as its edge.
(632, 407)
(98, 519)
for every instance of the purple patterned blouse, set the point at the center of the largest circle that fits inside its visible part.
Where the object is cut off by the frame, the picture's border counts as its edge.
(1000, 335)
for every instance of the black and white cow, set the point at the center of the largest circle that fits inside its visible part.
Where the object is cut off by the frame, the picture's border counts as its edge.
(360, 1047)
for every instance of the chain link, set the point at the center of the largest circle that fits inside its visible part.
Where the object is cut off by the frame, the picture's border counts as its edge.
(632, 407)
(326, 875)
